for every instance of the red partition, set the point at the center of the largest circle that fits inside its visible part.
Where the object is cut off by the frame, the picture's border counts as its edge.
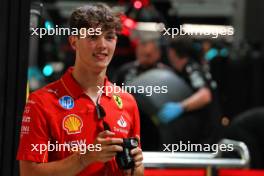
(240, 172)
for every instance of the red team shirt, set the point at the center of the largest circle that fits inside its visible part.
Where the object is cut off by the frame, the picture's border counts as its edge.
(62, 113)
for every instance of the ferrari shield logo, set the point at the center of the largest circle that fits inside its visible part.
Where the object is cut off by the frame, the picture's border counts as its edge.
(118, 101)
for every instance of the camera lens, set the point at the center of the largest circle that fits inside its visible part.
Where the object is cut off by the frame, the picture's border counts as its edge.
(134, 142)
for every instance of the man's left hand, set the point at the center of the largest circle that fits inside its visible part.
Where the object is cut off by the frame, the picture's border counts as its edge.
(170, 111)
(138, 158)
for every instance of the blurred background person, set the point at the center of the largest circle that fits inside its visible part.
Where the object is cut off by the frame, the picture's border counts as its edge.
(196, 117)
(148, 55)
(248, 127)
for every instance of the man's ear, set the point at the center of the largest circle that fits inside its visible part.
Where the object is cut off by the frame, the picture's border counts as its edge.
(73, 41)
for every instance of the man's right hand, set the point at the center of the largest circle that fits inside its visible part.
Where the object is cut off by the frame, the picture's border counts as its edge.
(109, 148)
(75, 163)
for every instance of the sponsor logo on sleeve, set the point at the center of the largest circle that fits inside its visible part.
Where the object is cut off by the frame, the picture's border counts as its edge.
(118, 101)
(66, 102)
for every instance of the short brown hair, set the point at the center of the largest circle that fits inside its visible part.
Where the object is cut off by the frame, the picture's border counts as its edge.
(95, 15)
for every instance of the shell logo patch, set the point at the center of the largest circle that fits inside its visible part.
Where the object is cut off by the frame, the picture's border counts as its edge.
(72, 124)
(118, 101)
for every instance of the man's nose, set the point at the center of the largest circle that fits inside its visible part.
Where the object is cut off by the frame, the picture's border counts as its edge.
(101, 42)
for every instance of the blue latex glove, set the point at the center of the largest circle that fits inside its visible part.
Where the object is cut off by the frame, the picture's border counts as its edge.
(170, 111)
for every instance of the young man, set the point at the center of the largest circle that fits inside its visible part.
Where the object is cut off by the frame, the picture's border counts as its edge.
(72, 110)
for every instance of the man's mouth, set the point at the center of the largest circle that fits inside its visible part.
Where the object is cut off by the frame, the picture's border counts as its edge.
(100, 55)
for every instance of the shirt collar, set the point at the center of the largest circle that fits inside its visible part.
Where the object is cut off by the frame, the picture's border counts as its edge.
(74, 89)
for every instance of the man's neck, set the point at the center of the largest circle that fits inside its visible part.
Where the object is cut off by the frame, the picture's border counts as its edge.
(89, 80)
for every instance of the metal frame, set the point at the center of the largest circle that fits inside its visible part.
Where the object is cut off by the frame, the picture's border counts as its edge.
(199, 159)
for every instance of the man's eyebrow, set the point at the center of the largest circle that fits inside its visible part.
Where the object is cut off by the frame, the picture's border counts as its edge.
(111, 32)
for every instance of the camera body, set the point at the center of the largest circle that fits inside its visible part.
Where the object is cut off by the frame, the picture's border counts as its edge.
(124, 158)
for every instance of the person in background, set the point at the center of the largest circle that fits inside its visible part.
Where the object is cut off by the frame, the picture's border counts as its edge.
(148, 55)
(200, 106)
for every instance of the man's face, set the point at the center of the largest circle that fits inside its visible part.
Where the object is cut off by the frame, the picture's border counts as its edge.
(147, 53)
(95, 51)
(176, 62)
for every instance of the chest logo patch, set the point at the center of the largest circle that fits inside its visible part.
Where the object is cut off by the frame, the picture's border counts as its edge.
(118, 101)
(66, 102)
(72, 124)
(121, 122)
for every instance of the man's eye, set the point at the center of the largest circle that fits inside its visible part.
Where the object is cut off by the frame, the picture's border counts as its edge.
(110, 37)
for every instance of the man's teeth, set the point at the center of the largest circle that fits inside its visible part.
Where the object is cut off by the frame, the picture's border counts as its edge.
(101, 54)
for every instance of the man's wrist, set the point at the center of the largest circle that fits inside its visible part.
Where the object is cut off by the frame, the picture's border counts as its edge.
(83, 160)
(184, 106)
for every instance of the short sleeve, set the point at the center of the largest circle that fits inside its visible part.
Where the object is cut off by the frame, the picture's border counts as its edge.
(136, 127)
(34, 132)
(197, 80)
(196, 76)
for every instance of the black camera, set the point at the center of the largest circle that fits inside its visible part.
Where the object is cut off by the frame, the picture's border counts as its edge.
(124, 158)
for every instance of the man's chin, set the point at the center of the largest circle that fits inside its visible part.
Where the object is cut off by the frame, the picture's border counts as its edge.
(101, 67)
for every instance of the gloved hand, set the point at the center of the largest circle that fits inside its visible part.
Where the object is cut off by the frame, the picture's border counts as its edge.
(170, 111)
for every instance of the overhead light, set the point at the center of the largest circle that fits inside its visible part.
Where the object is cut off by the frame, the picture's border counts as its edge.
(48, 24)
(47, 70)
(149, 26)
(52, 67)
(137, 4)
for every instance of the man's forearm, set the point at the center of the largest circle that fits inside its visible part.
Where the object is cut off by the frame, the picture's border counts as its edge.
(198, 100)
(69, 166)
